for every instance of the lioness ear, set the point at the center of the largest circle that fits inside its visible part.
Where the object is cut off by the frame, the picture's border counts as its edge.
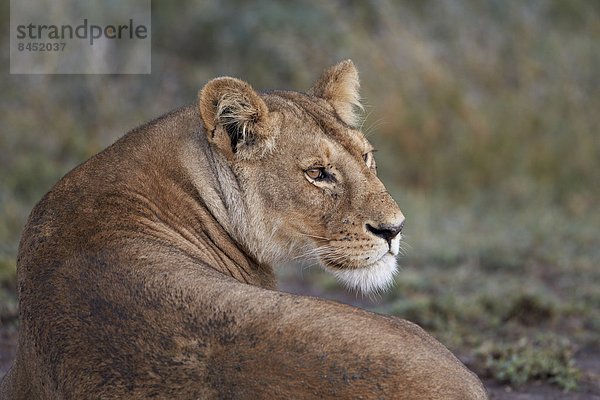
(234, 115)
(339, 85)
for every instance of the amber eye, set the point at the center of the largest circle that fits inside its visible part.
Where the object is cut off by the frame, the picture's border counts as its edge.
(315, 173)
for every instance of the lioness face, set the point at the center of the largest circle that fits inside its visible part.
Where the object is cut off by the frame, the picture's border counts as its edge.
(320, 187)
(311, 186)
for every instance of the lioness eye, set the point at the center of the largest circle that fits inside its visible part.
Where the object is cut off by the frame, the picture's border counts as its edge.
(367, 158)
(315, 173)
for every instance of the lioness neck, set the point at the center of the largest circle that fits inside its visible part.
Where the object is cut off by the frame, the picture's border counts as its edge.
(172, 193)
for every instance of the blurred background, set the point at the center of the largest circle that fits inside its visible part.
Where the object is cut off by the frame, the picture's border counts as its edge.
(485, 115)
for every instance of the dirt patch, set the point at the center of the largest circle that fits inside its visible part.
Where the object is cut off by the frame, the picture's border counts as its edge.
(8, 348)
(539, 391)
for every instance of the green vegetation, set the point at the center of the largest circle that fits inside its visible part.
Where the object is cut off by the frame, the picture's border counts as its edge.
(546, 357)
(485, 115)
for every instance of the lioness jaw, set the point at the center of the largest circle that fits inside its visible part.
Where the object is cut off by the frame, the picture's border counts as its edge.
(147, 271)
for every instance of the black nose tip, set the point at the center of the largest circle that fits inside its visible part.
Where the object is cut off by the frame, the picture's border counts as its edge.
(386, 232)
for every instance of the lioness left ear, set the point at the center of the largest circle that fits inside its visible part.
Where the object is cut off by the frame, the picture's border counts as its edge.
(339, 85)
(235, 117)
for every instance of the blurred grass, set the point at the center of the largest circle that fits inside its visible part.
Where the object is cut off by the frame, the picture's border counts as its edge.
(485, 114)
(546, 357)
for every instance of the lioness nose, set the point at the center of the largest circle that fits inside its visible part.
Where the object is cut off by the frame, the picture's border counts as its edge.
(386, 231)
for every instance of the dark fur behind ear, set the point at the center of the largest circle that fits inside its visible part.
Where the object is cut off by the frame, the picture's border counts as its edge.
(238, 119)
(230, 107)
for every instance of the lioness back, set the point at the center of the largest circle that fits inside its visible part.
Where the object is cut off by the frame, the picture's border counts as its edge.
(147, 271)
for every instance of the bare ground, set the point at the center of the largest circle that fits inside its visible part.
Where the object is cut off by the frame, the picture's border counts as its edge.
(8, 347)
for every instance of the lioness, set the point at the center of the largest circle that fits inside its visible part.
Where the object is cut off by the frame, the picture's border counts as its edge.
(147, 271)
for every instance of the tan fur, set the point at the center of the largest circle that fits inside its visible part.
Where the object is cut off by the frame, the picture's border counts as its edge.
(339, 85)
(147, 271)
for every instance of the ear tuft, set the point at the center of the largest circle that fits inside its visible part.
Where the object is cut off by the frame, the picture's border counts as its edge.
(340, 85)
(238, 118)
(232, 104)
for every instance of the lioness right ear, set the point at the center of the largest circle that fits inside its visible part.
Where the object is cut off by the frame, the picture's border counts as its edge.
(339, 85)
(235, 117)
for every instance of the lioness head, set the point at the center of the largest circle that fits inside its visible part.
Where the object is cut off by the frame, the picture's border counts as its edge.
(306, 183)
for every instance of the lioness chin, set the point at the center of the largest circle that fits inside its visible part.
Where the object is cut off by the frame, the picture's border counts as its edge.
(147, 271)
